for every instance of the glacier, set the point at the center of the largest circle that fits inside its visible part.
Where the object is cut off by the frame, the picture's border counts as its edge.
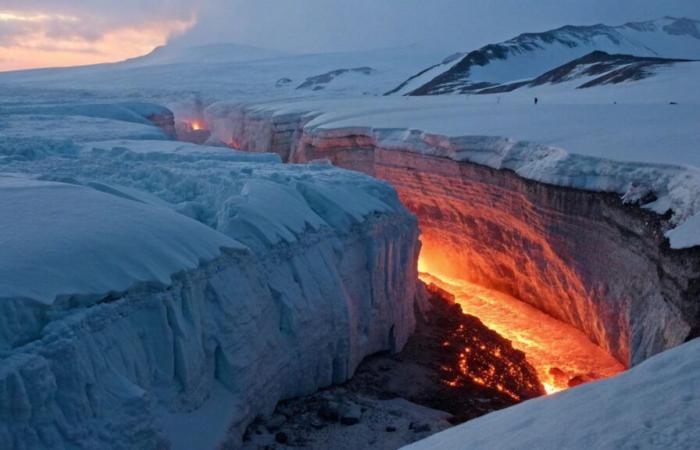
(144, 280)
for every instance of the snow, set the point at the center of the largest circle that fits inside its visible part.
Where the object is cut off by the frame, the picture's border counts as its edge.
(191, 76)
(204, 427)
(83, 241)
(147, 283)
(653, 405)
(161, 149)
(624, 138)
(532, 55)
(211, 53)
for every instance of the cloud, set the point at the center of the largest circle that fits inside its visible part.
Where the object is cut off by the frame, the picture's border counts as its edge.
(332, 25)
(58, 33)
(37, 33)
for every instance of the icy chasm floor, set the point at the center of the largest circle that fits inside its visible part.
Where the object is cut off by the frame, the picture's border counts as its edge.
(562, 355)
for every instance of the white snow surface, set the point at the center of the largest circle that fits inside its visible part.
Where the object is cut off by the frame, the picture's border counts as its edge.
(191, 77)
(201, 54)
(532, 55)
(624, 138)
(63, 239)
(653, 405)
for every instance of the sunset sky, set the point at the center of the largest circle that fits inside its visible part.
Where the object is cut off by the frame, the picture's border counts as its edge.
(48, 33)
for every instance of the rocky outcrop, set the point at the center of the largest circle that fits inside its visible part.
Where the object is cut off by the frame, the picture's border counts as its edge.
(583, 257)
(164, 120)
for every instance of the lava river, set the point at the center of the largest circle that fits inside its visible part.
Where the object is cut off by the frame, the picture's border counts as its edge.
(562, 355)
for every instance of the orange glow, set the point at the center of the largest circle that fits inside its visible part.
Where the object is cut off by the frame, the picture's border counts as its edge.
(562, 355)
(195, 125)
(35, 45)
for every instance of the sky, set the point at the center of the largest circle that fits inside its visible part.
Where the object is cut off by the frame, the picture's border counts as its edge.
(49, 33)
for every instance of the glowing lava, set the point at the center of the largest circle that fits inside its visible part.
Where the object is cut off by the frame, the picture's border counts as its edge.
(562, 355)
(196, 125)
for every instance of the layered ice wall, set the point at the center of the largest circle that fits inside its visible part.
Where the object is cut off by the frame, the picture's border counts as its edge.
(152, 318)
(583, 257)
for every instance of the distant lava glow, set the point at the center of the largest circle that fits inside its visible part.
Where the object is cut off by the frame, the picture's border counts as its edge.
(196, 125)
(562, 355)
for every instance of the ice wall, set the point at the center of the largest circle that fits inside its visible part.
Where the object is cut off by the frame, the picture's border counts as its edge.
(327, 276)
(581, 256)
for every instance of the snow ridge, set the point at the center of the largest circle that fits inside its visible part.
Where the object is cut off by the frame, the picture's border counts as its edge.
(531, 54)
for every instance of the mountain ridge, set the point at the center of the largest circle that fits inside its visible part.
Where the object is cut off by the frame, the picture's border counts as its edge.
(529, 55)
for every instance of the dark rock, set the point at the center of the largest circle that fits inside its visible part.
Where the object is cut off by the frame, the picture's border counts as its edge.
(317, 423)
(390, 429)
(275, 422)
(418, 427)
(281, 437)
(350, 415)
(329, 411)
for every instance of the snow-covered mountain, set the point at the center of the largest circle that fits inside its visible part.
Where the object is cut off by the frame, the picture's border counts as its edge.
(211, 53)
(529, 55)
(595, 69)
(227, 70)
(348, 76)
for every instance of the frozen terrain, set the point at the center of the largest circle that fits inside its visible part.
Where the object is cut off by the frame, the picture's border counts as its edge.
(150, 283)
(624, 138)
(529, 55)
(144, 283)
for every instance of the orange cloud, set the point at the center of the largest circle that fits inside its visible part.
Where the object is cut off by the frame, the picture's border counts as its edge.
(34, 39)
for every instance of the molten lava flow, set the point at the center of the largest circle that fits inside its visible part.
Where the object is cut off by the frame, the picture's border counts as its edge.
(562, 355)
(196, 125)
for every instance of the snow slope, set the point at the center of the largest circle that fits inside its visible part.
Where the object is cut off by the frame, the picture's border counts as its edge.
(204, 75)
(653, 405)
(101, 243)
(147, 282)
(623, 138)
(203, 54)
(532, 54)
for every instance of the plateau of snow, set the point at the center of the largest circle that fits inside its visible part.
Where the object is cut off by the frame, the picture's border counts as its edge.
(66, 239)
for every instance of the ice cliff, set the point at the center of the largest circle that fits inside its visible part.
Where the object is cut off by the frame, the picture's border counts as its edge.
(146, 282)
(534, 221)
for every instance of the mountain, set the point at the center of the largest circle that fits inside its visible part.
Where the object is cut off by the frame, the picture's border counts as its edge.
(529, 55)
(320, 82)
(228, 70)
(595, 69)
(211, 53)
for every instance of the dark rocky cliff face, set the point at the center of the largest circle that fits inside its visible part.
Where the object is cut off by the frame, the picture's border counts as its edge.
(583, 257)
